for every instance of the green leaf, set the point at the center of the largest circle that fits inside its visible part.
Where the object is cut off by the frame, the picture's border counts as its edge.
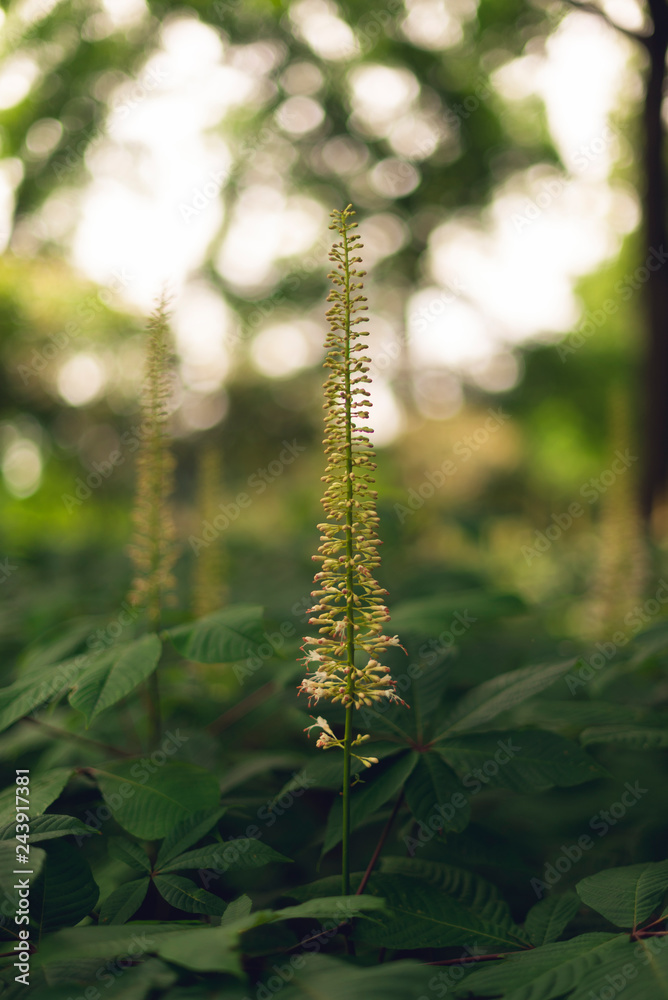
(210, 949)
(324, 771)
(331, 979)
(81, 943)
(113, 674)
(129, 853)
(48, 826)
(238, 909)
(187, 832)
(473, 892)
(185, 895)
(431, 615)
(384, 781)
(567, 717)
(217, 949)
(424, 916)
(9, 890)
(434, 795)
(234, 633)
(148, 805)
(235, 855)
(252, 765)
(124, 902)
(339, 908)
(532, 759)
(65, 891)
(43, 791)
(626, 896)
(500, 693)
(29, 692)
(547, 920)
(635, 737)
(545, 973)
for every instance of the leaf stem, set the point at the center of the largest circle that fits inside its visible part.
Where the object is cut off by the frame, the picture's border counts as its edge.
(381, 843)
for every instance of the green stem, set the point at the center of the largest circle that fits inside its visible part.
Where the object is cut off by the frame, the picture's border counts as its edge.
(345, 857)
(350, 604)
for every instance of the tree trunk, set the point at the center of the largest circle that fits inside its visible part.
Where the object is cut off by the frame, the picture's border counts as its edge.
(654, 210)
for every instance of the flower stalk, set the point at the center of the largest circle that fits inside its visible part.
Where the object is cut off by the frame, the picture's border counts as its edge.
(349, 607)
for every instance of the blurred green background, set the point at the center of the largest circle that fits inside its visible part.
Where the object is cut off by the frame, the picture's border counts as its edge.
(493, 152)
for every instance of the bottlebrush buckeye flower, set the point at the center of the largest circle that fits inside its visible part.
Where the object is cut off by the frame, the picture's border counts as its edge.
(349, 607)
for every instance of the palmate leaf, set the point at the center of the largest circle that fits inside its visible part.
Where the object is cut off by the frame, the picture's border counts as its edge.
(324, 770)
(547, 920)
(187, 832)
(568, 717)
(435, 795)
(48, 826)
(113, 674)
(626, 896)
(238, 909)
(331, 979)
(424, 916)
(217, 949)
(70, 980)
(65, 891)
(124, 902)
(236, 855)
(184, 894)
(129, 853)
(471, 891)
(43, 791)
(431, 615)
(30, 691)
(148, 805)
(501, 693)
(546, 973)
(634, 736)
(234, 633)
(528, 760)
(82, 943)
(586, 967)
(365, 799)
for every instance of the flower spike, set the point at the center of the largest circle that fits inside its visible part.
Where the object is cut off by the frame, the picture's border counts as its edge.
(348, 608)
